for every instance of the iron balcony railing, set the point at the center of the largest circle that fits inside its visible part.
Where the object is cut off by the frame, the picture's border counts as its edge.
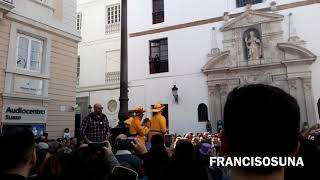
(113, 77)
(113, 28)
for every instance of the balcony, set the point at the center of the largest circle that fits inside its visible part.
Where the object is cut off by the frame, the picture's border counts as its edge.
(113, 28)
(158, 66)
(5, 6)
(113, 77)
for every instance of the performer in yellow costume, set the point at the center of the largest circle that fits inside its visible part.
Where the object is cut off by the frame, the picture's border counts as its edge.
(158, 121)
(135, 129)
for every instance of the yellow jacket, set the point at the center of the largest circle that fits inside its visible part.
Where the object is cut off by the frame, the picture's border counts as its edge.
(158, 125)
(136, 129)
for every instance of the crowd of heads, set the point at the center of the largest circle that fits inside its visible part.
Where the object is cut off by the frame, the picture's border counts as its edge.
(259, 121)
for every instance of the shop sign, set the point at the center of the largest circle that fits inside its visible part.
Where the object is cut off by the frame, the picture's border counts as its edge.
(24, 114)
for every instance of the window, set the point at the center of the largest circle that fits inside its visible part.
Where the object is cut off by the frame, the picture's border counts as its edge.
(242, 3)
(113, 18)
(79, 21)
(158, 60)
(29, 53)
(158, 11)
(78, 68)
(202, 113)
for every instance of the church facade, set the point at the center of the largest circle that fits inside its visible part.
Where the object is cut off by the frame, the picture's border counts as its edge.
(255, 51)
(191, 61)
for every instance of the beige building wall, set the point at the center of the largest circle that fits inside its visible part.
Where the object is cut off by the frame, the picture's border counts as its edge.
(4, 47)
(62, 86)
(59, 76)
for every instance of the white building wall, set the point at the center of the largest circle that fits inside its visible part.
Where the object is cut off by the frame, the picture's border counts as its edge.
(103, 97)
(69, 12)
(178, 12)
(94, 63)
(96, 43)
(188, 47)
(44, 13)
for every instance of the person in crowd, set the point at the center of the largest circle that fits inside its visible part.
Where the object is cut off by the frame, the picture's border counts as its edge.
(128, 121)
(305, 127)
(220, 125)
(123, 154)
(74, 143)
(17, 153)
(66, 133)
(260, 121)
(188, 136)
(95, 127)
(156, 162)
(136, 129)
(209, 126)
(51, 168)
(157, 140)
(206, 137)
(158, 121)
(195, 141)
(91, 163)
(46, 137)
(310, 152)
(146, 123)
(42, 149)
(203, 158)
(185, 164)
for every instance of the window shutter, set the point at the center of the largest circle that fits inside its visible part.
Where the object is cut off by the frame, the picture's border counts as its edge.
(35, 56)
(23, 46)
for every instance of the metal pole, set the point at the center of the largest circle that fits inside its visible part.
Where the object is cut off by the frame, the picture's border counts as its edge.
(123, 112)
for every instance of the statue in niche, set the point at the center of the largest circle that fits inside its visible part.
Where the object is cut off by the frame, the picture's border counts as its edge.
(253, 46)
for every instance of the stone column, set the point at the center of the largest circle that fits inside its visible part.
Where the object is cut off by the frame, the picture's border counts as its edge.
(216, 104)
(212, 115)
(223, 97)
(296, 90)
(307, 88)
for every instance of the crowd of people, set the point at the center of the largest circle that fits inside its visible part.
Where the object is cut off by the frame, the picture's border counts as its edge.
(259, 121)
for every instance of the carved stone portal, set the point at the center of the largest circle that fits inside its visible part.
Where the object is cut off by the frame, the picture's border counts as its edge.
(254, 52)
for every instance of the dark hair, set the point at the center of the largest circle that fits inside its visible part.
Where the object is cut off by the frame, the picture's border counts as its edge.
(156, 162)
(17, 146)
(41, 155)
(261, 121)
(146, 120)
(51, 168)
(157, 139)
(89, 164)
(184, 151)
(185, 164)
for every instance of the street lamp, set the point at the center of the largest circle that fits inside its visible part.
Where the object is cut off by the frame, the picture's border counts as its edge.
(123, 112)
(123, 99)
(175, 93)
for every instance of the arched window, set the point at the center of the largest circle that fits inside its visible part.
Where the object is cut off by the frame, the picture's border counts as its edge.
(318, 107)
(202, 113)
